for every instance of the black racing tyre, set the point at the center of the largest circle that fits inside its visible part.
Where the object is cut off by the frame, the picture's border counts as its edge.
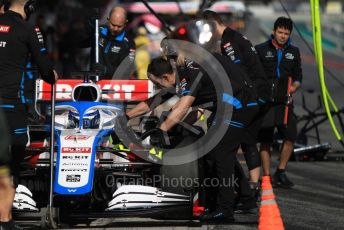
(181, 179)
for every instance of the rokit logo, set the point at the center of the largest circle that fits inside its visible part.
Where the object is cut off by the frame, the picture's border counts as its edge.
(76, 150)
(124, 91)
(4, 29)
(135, 90)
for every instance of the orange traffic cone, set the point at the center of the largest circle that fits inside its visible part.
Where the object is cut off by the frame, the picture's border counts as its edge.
(269, 214)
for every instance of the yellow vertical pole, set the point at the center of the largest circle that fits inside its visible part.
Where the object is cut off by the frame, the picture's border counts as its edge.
(319, 59)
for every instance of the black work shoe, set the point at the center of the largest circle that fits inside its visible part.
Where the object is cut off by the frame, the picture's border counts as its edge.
(280, 179)
(247, 207)
(218, 216)
(10, 225)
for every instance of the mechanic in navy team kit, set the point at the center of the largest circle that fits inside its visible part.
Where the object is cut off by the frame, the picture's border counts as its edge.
(280, 60)
(240, 51)
(18, 39)
(114, 43)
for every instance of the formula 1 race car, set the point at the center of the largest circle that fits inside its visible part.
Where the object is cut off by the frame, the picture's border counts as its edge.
(95, 174)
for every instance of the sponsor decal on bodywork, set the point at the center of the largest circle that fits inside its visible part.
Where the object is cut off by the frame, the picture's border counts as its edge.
(121, 90)
(77, 137)
(76, 150)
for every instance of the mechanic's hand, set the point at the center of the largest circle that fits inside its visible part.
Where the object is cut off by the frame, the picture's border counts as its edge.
(158, 137)
(56, 76)
(99, 68)
(294, 87)
(151, 122)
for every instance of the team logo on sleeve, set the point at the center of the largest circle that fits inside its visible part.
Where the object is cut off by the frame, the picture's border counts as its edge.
(39, 35)
(183, 87)
(4, 29)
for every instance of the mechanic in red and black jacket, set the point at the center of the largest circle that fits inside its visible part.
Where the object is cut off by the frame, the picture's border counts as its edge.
(18, 39)
(241, 52)
(280, 60)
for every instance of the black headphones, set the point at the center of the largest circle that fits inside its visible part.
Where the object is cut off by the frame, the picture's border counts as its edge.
(5, 3)
(29, 7)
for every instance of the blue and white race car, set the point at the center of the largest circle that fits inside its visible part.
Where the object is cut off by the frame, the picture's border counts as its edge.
(95, 174)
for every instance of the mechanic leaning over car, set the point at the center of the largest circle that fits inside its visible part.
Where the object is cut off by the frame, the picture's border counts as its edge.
(281, 61)
(241, 52)
(18, 39)
(161, 73)
(243, 189)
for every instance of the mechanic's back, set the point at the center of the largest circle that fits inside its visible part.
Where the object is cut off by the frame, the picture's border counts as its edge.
(17, 39)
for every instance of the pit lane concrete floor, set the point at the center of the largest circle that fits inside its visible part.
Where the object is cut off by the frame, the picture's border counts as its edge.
(316, 202)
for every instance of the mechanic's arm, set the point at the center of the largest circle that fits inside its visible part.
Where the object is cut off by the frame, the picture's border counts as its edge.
(150, 104)
(294, 86)
(132, 50)
(178, 113)
(38, 52)
(194, 116)
(297, 76)
(138, 110)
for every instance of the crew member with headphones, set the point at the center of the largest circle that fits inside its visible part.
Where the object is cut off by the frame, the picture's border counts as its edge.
(2, 6)
(18, 39)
